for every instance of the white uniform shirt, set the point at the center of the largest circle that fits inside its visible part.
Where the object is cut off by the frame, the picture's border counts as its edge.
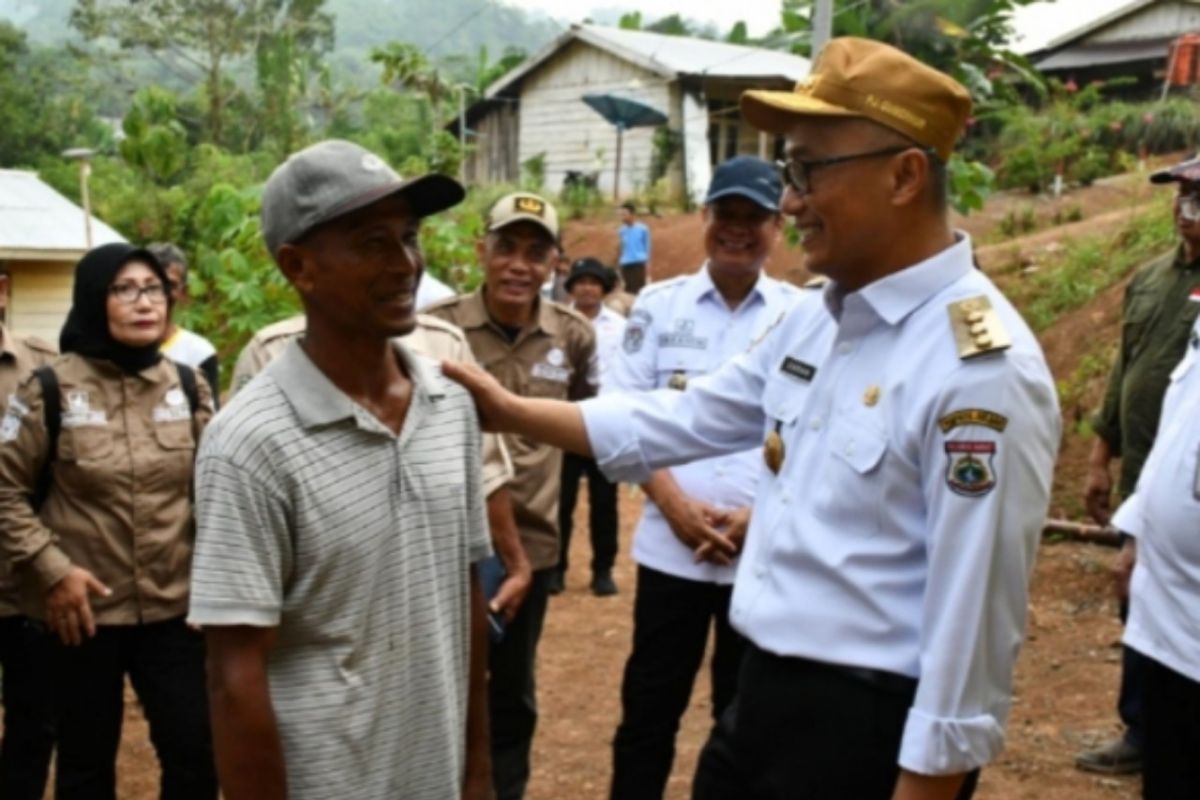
(679, 330)
(1164, 514)
(430, 290)
(610, 330)
(901, 530)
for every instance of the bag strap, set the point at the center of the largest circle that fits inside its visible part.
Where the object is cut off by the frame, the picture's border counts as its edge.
(52, 416)
(187, 381)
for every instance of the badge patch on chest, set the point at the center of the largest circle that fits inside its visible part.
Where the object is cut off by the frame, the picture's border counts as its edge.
(13, 413)
(80, 412)
(173, 408)
(549, 372)
(970, 467)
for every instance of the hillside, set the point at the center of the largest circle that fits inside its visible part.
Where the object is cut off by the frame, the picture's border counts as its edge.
(445, 28)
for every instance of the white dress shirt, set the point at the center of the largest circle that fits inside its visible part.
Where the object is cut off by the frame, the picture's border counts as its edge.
(901, 530)
(679, 330)
(1164, 514)
(430, 290)
(610, 330)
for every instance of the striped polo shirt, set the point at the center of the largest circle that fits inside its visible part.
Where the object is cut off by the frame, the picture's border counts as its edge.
(356, 543)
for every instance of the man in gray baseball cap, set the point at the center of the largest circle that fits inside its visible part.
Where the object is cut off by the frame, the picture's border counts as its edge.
(340, 515)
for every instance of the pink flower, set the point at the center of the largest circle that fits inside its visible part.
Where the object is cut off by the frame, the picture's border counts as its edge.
(1148, 117)
(1071, 85)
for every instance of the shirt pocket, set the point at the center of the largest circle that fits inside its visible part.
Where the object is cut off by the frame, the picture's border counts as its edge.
(85, 444)
(783, 399)
(851, 488)
(175, 449)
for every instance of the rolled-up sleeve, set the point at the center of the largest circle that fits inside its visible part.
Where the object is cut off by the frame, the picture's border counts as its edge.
(986, 504)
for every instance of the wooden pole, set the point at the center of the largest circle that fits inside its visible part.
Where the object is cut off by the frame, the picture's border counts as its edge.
(617, 174)
(822, 25)
(1081, 532)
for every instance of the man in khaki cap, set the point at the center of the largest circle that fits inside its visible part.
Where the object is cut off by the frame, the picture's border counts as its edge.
(537, 348)
(909, 426)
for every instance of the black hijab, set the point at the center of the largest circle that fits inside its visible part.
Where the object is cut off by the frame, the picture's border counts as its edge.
(86, 328)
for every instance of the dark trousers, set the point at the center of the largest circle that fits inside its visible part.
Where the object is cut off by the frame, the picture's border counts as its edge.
(633, 275)
(803, 730)
(671, 620)
(602, 511)
(1171, 728)
(165, 664)
(512, 691)
(1129, 698)
(28, 709)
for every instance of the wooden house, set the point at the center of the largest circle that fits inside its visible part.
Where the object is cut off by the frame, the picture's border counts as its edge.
(536, 111)
(42, 236)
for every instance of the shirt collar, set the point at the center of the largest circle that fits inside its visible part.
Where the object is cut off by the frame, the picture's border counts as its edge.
(317, 401)
(1181, 259)
(896, 296)
(702, 288)
(475, 314)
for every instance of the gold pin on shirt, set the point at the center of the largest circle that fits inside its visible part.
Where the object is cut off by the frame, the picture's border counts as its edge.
(871, 395)
(773, 452)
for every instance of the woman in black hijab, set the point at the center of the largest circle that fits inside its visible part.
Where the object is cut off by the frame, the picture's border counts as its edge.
(105, 555)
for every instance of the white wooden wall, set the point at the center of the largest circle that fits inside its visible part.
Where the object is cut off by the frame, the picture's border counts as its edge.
(39, 297)
(556, 121)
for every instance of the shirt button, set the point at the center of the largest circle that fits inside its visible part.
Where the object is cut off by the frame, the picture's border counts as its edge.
(844, 347)
(815, 423)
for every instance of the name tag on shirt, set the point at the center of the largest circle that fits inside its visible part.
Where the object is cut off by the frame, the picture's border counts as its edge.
(549, 372)
(798, 369)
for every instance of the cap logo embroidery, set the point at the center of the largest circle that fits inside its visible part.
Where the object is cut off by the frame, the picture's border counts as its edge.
(530, 205)
(899, 112)
(372, 162)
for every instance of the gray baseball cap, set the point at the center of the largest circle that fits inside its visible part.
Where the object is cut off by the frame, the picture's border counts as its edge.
(335, 177)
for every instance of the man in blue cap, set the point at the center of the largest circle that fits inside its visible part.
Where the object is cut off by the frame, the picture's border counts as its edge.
(692, 529)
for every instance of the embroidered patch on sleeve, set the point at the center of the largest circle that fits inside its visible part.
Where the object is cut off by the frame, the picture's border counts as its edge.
(973, 416)
(970, 467)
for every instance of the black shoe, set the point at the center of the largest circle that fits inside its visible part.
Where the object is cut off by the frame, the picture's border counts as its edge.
(1118, 757)
(603, 585)
(557, 584)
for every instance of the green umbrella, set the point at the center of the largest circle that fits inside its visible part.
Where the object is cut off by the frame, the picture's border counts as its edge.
(624, 113)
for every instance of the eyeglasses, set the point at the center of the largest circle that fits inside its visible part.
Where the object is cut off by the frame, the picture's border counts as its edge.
(130, 293)
(798, 174)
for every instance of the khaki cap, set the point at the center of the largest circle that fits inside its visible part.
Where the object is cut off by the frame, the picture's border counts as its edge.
(867, 79)
(523, 206)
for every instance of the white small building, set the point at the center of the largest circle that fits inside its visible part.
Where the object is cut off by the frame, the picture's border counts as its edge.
(536, 109)
(42, 236)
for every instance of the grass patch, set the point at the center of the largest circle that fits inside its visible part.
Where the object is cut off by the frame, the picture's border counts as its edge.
(1085, 267)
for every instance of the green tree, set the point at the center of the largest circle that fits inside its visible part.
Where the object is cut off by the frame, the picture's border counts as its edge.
(47, 103)
(155, 142)
(204, 38)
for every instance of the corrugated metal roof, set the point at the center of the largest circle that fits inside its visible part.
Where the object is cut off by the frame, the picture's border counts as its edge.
(35, 219)
(1104, 54)
(668, 56)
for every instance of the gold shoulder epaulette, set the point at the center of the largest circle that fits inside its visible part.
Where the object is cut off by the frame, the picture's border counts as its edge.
(977, 327)
(816, 283)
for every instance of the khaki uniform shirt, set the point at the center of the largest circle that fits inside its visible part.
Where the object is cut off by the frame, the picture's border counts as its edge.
(19, 356)
(554, 356)
(1161, 304)
(120, 501)
(432, 338)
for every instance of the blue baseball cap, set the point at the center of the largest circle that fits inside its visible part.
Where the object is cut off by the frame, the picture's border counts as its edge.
(749, 177)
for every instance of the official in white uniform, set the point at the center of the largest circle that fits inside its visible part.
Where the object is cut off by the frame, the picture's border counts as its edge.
(1163, 516)
(694, 524)
(910, 427)
(587, 283)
